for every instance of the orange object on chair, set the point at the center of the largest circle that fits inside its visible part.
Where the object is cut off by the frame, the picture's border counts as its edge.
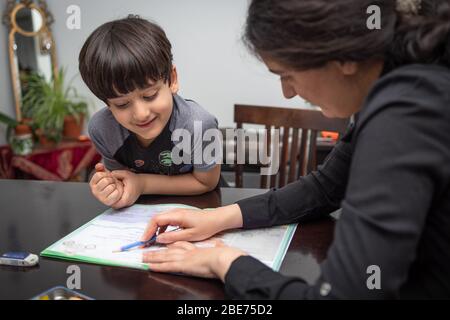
(329, 134)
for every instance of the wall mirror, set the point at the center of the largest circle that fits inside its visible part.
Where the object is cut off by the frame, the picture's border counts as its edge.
(30, 44)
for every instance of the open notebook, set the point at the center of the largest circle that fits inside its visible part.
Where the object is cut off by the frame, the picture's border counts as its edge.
(96, 241)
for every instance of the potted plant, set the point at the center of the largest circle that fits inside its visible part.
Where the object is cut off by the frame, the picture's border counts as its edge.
(18, 134)
(49, 104)
(73, 122)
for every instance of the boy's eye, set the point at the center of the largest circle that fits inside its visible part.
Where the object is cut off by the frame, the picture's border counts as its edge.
(122, 106)
(150, 98)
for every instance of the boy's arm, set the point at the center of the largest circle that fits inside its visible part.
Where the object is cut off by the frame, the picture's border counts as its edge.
(197, 182)
(135, 185)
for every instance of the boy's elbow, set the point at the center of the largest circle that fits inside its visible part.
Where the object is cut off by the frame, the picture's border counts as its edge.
(215, 180)
(211, 183)
(210, 187)
(202, 189)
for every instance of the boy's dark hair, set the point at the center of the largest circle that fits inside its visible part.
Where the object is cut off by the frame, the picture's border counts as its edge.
(306, 34)
(123, 55)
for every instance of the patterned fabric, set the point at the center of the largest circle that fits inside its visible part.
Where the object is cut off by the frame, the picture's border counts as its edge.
(60, 163)
(6, 170)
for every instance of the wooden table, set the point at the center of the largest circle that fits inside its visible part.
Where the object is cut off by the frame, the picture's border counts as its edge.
(35, 214)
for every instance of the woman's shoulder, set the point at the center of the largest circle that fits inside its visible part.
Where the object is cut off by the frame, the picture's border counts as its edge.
(406, 119)
(415, 89)
(418, 76)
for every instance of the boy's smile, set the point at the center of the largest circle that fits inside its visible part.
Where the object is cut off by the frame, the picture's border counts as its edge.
(145, 112)
(146, 124)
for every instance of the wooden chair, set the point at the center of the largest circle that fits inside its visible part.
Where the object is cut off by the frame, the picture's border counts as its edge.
(298, 149)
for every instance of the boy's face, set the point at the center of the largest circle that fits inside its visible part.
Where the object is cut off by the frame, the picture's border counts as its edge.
(146, 112)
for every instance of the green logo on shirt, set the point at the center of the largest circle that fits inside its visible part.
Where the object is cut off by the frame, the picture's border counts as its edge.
(165, 158)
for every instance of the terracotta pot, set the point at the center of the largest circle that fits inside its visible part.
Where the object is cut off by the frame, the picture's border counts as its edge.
(72, 128)
(22, 129)
(27, 121)
(43, 140)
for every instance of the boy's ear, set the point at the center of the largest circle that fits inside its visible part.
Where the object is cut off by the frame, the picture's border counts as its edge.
(174, 80)
(347, 68)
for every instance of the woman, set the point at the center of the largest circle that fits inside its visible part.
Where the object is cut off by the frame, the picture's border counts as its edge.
(390, 173)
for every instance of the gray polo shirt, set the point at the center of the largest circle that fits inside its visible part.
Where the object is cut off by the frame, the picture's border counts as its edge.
(120, 148)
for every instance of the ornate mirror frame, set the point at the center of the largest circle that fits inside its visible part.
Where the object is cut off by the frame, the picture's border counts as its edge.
(9, 19)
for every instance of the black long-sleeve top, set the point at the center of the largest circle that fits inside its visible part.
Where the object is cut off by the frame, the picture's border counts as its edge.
(390, 173)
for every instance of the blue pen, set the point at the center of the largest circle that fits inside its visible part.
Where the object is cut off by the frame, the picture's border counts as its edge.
(141, 243)
(137, 244)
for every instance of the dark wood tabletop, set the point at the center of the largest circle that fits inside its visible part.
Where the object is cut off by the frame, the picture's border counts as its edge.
(35, 214)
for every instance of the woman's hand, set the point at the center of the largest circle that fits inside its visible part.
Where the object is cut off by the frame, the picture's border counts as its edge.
(184, 257)
(196, 224)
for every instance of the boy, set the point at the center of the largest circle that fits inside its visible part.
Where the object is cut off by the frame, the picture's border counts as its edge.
(127, 64)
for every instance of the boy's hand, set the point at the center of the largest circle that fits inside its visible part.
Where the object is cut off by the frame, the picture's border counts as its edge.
(105, 187)
(132, 188)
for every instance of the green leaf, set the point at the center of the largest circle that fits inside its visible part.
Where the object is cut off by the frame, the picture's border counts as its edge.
(8, 120)
(47, 103)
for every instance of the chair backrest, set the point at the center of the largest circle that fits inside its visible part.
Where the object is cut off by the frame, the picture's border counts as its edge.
(298, 134)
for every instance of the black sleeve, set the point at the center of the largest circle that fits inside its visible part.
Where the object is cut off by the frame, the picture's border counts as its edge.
(398, 167)
(311, 197)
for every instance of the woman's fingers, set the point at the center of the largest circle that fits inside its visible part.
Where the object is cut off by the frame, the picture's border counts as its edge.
(181, 257)
(219, 243)
(176, 266)
(171, 237)
(171, 217)
(161, 230)
(194, 224)
(163, 256)
(182, 244)
(150, 230)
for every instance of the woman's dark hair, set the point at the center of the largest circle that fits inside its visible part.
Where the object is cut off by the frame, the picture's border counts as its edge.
(306, 34)
(123, 55)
